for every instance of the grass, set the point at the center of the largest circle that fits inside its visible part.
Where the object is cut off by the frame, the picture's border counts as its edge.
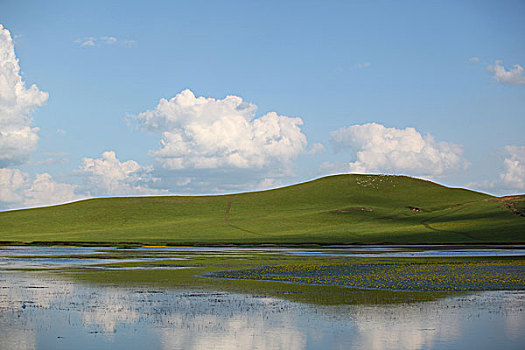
(201, 272)
(315, 279)
(320, 279)
(343, 209)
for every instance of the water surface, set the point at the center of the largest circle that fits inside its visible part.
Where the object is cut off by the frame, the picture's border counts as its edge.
(39, 312)
(43, 310)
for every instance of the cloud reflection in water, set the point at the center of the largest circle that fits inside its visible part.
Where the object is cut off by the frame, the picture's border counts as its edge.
(60, 313)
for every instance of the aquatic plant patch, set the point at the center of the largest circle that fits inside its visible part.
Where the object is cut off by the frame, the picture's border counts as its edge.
(414, 276)
(326, 276)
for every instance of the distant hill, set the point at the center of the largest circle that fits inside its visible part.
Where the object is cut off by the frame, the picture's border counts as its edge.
(342, 209)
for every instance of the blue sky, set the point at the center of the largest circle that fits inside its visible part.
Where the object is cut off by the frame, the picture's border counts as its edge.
(428, 89)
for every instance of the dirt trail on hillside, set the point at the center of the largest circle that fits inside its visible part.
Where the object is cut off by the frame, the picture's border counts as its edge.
(227, 214)
(227, 219)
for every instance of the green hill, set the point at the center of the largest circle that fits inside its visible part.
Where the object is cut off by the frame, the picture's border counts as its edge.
(341, 209)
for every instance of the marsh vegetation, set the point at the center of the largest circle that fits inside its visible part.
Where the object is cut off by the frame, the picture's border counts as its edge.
(272, 298)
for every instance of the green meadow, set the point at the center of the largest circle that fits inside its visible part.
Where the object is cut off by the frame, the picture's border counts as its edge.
(341, 209)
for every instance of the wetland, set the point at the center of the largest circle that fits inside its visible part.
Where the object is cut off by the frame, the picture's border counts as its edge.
(379, 297)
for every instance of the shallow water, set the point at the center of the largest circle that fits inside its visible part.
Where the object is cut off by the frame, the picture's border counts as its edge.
(36, 257)
(37, 311)
(423, 252)
(38, 262)
(362, 251)
(42, 310)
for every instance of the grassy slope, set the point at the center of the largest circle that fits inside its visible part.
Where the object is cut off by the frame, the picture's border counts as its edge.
(336, 209)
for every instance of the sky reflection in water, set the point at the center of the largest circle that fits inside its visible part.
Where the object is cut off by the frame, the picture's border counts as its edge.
(39, 312)
(34, 257)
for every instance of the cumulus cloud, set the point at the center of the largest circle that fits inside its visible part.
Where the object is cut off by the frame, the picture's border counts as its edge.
(514, 175)
(333, 168)
(268, 183)
(513, 76)
(108, 176)
(45, 191)
(511, 179)
(17, 137)
(474, 59)
(208, 133)
(12, 184)
(379, 149)
(17, 189)
(105, 176)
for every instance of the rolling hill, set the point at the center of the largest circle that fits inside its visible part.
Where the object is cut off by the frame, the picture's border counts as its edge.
(341, 209)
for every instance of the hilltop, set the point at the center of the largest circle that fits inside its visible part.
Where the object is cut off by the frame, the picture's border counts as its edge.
(341, 209)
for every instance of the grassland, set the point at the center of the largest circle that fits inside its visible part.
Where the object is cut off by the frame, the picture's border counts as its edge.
(343, 209)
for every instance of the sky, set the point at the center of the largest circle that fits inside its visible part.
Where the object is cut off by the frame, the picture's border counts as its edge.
(124, 98)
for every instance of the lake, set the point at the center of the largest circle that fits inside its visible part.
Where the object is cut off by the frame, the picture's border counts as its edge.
(44, 306)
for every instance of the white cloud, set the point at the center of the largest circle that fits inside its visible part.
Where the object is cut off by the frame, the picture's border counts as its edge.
(514, 175)
(103, 176)
(514, 76)
(474, 59)
(106, 39)
(363, 65)
(12, 184)
(86, 42)
(17, 189)
(183, 181)
(45, 191)
(52, 161)
(128, 42)
(109, 39)
(52, 158)
(512, 179)
(378, 149)
(17, 138)
(108, 176)
(268, 183)
(487, 185)
(333, 168)
(207, 133)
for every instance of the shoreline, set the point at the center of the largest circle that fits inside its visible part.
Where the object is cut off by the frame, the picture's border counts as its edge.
(255, 245)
